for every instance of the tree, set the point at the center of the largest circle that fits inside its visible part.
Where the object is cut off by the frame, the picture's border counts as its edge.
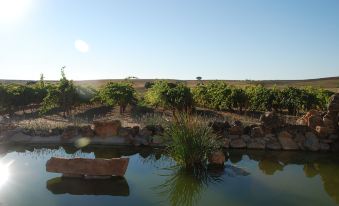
(292, 100)
(120, 93)
(238, 98)
(62, 95)
(175, 97)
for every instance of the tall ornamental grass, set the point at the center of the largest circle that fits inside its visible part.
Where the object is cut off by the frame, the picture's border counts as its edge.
(192, 141)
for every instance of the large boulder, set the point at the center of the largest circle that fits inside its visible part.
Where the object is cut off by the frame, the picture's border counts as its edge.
(286, 141)
(273, 145)
(86, 131)
(330, 121)
(217, 159)
(314, 121)
(271, 121)
(107, 128)
(257, 132)
(256, 143)
(88, 167)
(311, 119)
(322, 131)
(219, 127)
(311, 142)
(300, 140)
(235, 130)
(333, 105)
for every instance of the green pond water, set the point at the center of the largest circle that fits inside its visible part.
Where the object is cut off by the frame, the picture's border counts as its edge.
(249, 178)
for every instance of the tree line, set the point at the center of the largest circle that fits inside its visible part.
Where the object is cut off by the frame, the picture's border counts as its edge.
(176, 97)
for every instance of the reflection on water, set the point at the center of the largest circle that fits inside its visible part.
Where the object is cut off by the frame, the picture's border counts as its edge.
(146, 183)
(184, 187)
(4, 172)
(115, 186)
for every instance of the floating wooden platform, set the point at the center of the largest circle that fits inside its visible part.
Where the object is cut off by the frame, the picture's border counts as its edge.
(88, 168)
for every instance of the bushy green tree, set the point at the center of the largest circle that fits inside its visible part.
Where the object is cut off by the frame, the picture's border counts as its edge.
(262, 98)
(62, 95)
(238, 98)
(175, 97)
(214, 95)
(121, 93)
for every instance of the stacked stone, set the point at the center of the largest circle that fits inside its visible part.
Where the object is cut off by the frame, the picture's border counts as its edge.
(331, 118)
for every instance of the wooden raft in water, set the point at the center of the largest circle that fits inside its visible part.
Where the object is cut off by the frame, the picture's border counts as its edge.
(88, 168)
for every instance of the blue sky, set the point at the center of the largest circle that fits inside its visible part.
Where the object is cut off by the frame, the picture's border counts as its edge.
(181, 39)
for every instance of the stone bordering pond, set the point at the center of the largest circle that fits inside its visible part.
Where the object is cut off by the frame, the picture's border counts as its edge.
(271, 134)
(99, 133)
(313, 132)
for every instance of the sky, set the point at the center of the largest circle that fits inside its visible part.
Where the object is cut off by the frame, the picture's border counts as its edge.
(172, 39)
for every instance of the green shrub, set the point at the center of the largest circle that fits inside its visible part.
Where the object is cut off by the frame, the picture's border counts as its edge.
(62, 95)
(175, 97)
(121, 93)
(192, 141)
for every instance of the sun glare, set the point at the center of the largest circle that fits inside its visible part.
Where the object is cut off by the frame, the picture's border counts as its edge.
(11, 10)
(4, 172)
(81, 46)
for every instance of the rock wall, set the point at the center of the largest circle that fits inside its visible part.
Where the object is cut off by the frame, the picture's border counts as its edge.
(313, 132)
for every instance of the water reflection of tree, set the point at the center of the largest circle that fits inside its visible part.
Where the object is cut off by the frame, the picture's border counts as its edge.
(184, 187)
(324, 165)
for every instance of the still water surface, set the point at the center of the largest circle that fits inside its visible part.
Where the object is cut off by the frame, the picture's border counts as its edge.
(250, 178)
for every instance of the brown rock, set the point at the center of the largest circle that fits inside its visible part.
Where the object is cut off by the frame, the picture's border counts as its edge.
(125, 132)
(273, 145)
(314, 121)
(86, 131)
(256, 143)
(218, 127)
(90, 167)
(238, 143)
(107, 128)
(304, 120)
(235, 130)
(70, 132)
(286, 141)
(271, 121)
(333, 105)
(217, 158)
(257, 132)
(300, 140)
(311, 142)
(322, 131)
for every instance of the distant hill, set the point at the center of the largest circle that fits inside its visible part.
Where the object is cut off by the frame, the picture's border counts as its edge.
(330, 83)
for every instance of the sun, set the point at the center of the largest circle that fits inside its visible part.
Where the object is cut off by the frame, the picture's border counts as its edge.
(81, 46)
(4, 172)
(12, 10)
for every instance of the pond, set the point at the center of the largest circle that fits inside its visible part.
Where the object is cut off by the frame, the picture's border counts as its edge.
(249, 178)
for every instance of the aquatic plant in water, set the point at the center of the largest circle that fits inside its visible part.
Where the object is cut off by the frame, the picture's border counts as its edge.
(192, 141)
